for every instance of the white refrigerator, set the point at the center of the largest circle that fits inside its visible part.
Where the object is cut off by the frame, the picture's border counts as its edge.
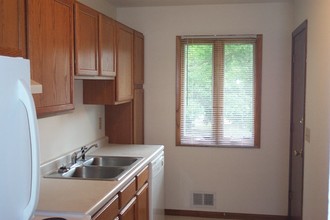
(19, 151)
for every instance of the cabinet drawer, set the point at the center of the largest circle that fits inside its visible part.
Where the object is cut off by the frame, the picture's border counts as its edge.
(109, 211)
(127, 193)
(142, 177)
(143, 203)
(129, 212)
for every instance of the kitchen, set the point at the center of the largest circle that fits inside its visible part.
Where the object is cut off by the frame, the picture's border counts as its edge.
(264, 171)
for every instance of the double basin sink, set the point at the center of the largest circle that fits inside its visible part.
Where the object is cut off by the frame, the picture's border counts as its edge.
(98, 168)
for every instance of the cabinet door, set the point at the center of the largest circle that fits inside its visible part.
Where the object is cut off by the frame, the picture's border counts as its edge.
(138, 117)
(50, 49)
(86, 40)
(138, 58)
(143, 203)
(119, 123)
(107, 42)
(12, 28)
(109, 211)
(124, 80)
(129, 211)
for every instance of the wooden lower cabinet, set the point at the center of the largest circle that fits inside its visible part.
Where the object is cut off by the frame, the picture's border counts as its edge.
(127, 193)
(131, 202)
(142, 195)
(109, 211)
(143, 203)
(129, 212)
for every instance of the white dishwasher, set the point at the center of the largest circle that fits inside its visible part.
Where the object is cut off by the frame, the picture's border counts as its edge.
(156, 195)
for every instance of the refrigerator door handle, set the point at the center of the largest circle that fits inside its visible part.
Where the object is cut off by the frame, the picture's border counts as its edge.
(26, 98)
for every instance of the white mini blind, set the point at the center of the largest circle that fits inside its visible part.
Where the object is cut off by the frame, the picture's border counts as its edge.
(217, 92)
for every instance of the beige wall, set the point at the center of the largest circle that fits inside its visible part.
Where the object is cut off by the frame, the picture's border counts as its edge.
(244, 180)
(102, 6)
(317, 105)
(65, 132)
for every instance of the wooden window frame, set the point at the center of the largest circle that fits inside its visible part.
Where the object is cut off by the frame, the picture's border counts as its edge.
(257, 94)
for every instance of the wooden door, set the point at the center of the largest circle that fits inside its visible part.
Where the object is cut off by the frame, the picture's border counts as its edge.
(86, 40)
(124, 77)
(50, 50)
(12, 28)
(107, 42)
(299, 45)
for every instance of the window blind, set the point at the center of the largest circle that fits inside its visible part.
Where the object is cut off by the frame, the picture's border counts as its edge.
(217, 94)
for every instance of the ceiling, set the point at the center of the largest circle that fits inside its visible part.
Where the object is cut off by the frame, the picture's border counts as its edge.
(144, 3)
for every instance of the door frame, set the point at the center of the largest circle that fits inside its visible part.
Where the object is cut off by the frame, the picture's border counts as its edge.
(302, 27)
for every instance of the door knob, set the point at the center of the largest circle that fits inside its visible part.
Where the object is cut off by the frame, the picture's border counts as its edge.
(298, 153)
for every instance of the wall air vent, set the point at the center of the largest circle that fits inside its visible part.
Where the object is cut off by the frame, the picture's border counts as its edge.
(203, 199)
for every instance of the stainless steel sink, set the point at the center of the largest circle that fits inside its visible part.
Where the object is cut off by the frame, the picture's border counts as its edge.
(97, 168)
(95, 172)
(111, 161)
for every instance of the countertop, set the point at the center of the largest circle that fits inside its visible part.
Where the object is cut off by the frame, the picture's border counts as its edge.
(88, 196)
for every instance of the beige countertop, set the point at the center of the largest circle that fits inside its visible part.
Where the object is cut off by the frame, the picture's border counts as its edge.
(88, 196)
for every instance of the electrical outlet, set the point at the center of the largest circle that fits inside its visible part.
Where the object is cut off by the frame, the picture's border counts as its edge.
(100, 123)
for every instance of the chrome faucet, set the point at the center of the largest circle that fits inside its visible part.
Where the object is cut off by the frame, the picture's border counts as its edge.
(83, 150)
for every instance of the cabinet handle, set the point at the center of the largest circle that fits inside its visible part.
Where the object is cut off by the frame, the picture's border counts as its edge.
(131, 203)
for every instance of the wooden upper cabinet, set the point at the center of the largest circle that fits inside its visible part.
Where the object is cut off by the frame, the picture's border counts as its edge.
(86, 40)
(50, 50)
(124, 78)
(95, 43)
(12, 28)
(138, 58)
(120, 90)
(107, 56)
(138, 116)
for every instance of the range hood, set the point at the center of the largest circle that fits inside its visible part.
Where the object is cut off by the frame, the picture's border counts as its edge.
(35, 87)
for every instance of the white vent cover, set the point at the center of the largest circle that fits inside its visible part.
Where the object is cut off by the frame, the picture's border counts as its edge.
(203, 199)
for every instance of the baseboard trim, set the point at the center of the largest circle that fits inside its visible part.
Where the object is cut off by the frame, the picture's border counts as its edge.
(223, 215)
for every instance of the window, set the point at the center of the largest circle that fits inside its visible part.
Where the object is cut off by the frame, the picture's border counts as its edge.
(218, 91)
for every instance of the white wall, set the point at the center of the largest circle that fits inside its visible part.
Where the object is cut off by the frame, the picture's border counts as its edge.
(65, 132)
(244, 180)
(102, 6)
(317, 105)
